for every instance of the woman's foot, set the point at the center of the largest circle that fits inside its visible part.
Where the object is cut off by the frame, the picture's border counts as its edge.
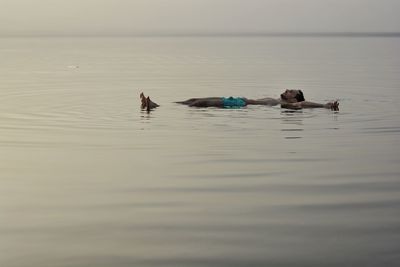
(147, 103)
(143, 99)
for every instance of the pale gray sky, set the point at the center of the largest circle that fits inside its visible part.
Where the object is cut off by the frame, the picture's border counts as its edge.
(19, 17)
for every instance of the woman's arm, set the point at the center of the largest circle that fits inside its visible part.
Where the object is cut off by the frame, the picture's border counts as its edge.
(330, 105)
(306, 104)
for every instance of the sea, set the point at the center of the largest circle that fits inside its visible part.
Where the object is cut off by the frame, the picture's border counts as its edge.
(87, 178)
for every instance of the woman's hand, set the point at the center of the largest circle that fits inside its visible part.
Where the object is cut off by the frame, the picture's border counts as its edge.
(333, 105)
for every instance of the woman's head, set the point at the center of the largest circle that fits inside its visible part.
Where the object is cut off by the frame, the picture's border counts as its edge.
(292, 95)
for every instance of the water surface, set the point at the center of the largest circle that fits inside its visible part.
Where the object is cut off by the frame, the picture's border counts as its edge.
(88, 179)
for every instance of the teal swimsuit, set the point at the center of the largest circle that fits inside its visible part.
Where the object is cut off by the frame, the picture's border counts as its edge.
(233, 102)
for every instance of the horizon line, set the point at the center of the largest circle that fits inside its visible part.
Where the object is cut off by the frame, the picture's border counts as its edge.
(213, 34)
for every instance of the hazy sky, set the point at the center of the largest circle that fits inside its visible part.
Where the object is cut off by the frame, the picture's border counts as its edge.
(196, 16)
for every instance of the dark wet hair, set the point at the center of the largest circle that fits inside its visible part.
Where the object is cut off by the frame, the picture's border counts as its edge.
(300, 96)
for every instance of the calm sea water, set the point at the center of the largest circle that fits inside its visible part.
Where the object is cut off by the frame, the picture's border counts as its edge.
(88, 179)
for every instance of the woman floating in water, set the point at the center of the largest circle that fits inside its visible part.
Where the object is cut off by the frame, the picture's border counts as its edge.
(291, 99)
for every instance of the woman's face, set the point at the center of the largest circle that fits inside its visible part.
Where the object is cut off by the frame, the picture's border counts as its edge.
(290, 95)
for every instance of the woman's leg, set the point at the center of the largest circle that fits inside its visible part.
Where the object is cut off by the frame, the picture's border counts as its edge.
(208, 102)
(201, 102)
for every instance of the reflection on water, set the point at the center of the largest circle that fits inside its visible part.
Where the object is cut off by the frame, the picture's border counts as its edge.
(292, 123)
(88, 179)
